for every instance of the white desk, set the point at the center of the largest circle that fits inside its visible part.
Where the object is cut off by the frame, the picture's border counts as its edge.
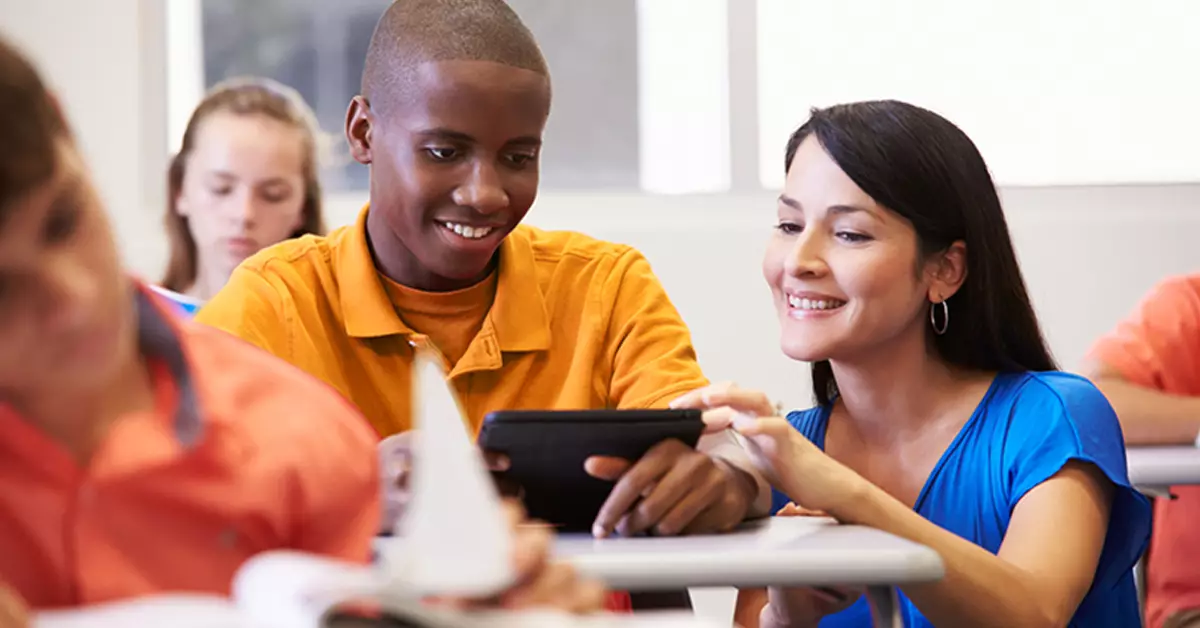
(780, 551)
(1155, 469)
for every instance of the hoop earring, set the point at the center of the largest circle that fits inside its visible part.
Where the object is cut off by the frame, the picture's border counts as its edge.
(939, 330)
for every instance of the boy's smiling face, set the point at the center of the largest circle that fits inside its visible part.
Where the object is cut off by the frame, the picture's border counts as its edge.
(454, 168)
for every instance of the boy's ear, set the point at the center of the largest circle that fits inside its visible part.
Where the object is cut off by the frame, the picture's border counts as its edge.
(360, 121)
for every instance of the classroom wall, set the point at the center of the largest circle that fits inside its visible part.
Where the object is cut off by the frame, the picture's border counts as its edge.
(102, 60)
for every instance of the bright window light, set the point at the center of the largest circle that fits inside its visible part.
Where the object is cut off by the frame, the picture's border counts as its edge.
(185, 66)
(1053, 93)
(683, 95)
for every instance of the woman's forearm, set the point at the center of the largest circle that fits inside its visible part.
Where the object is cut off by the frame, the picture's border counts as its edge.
(979, 588)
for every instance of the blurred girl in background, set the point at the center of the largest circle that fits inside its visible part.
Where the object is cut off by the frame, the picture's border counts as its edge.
(245, 177)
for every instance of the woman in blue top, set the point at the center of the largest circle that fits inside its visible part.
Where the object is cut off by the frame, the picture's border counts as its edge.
(940, 416)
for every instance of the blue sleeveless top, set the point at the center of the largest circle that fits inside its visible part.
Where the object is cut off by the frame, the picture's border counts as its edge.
(1025, 429)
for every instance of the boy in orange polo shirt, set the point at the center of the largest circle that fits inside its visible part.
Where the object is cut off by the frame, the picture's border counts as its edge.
(139, 452)
(455, 98)
(1149, 368)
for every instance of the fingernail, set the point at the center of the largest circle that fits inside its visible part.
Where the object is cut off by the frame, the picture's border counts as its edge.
(599, 532)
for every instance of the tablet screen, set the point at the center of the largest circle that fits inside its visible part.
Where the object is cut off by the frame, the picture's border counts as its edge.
(547, 450)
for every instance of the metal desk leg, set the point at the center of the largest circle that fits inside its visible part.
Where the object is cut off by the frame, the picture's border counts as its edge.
(885, 607)
(1156, 492)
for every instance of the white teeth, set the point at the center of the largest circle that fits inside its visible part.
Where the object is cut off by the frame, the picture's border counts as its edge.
(800, 303)
(467, 231)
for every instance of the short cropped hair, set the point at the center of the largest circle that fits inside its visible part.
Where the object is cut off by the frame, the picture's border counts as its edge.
(30, 125)
(412, 32)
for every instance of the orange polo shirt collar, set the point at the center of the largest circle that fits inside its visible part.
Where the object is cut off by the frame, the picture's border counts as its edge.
(518, 319)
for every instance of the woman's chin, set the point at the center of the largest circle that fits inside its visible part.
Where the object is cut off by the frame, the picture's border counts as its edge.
(804, 352)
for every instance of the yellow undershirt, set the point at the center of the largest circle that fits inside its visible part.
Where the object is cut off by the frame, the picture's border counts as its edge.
(450, 320)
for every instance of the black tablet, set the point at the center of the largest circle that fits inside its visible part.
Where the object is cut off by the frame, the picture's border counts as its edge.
(547, 449)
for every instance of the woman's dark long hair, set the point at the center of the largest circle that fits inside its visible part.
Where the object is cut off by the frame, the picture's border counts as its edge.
(920, 166)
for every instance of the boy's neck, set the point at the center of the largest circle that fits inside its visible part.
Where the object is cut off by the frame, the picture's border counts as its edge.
(408, 272)
(78, 420)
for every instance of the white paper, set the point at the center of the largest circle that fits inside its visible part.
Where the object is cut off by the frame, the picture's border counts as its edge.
(176, 611)
(285, 589)
(455, 538)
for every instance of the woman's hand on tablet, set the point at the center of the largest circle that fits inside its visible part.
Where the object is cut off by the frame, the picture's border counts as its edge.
(728, 395)
(789, 461)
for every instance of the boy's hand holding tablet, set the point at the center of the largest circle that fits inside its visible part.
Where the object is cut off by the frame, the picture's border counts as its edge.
(672, 489)
(624, 471)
